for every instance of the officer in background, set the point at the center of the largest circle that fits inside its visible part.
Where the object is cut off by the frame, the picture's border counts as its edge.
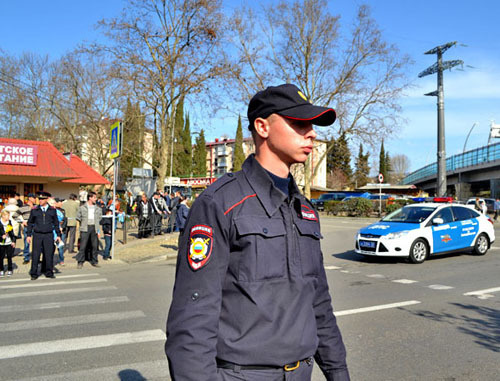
(251, 299)
(42, 224)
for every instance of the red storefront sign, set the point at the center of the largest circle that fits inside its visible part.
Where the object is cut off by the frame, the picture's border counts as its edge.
(18, 154)
(198, 181)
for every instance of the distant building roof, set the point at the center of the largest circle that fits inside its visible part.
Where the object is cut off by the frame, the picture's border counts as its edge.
(387, 186)
(86, 174)
(50, 163)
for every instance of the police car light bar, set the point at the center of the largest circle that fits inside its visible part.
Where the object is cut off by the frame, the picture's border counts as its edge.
(443, 199)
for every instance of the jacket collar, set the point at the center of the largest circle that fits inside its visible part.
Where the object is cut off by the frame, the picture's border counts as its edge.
(263, 186)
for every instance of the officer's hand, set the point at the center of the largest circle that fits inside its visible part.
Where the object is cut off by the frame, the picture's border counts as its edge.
(25, 223)
(4, 236)
(28, 239)
(13, 244)
(58, 239)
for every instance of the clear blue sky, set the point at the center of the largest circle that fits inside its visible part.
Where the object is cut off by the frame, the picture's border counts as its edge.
(57, 26)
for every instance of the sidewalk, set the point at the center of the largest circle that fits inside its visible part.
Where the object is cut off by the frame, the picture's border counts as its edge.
(161, 247)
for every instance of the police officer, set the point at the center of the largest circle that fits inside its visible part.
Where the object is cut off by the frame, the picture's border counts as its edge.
(42, 224)
(251, 298)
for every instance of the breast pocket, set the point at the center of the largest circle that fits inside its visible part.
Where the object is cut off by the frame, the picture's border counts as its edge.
(310, 248)
(263, 248)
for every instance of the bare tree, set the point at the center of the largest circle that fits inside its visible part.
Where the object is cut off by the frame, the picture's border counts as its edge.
(400, 165)
(165, 50)
(23, 96)
(360, 74)
(87, 99)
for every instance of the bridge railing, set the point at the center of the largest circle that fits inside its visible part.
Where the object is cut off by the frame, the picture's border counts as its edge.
(471, 158)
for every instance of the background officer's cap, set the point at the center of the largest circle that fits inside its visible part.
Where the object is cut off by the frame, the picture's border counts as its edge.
(43, 195)
(288, 101)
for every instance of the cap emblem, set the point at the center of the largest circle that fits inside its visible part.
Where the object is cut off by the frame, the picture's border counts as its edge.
(302, 95)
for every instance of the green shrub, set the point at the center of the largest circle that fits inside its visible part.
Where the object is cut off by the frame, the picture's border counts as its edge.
(358, 206)
(334, 207)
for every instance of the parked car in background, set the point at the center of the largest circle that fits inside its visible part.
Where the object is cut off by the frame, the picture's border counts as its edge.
(490, 203)
(378, 196)
(319, 203)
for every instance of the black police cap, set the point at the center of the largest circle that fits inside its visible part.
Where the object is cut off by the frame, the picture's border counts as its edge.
(288, 101)
(43, 195)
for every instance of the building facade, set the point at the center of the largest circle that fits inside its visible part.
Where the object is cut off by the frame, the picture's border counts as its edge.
(28, 166)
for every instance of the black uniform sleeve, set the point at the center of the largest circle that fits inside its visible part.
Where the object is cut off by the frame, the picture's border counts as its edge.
(331, 354)
(31, 223)
(193, 319)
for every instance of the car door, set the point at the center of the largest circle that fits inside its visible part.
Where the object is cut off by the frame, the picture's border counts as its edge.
(468, 225)
(445, 235)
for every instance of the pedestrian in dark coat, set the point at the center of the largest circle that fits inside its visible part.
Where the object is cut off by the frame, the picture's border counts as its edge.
(42, 224)
(181, 214)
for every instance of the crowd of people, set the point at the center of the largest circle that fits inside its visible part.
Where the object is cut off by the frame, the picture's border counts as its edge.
(48, 225)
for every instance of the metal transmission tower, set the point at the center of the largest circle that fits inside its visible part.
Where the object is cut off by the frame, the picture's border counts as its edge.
(438, 68)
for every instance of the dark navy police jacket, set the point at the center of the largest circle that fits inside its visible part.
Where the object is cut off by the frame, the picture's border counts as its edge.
(43, 222)
(250, 284)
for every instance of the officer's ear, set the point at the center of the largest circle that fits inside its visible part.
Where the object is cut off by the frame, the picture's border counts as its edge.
(261, 127)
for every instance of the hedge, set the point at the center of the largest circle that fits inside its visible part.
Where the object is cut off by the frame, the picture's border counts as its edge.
(362, 207)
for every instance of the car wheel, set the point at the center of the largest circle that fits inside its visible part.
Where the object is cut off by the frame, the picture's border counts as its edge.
(419, 251)
(482, 244)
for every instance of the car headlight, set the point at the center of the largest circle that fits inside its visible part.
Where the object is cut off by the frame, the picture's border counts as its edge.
(397, 234)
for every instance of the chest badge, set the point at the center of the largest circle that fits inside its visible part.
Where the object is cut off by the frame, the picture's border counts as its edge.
(308, 213)
(200, 246)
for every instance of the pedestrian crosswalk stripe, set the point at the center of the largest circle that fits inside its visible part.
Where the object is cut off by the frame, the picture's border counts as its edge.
(376, 308)
(332, 267)
(151, 370)
(483, 294)
(405, 281)
(72, 303)
(69, 320)
(55, 292)
(80, 343)
(55, 283)
(43, 279)
(379, 276)
(440, 287)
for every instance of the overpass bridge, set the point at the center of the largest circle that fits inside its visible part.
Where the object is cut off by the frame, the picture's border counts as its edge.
(467, 174)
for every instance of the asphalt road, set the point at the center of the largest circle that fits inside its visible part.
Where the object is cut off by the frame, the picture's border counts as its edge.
(399, 321)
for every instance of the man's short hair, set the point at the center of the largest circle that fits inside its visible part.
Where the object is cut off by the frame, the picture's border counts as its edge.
(90, 195)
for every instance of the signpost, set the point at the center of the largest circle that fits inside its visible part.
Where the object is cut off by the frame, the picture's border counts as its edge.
(380, 181)
(115, 151)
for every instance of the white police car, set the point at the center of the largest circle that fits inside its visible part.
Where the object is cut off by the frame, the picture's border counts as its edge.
(419, 230)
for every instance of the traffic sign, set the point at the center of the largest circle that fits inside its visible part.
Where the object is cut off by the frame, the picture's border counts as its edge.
(116, 140)
(380, 178)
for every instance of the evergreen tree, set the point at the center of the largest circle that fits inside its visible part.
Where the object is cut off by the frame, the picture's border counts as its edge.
(200, 156)
(178, 157)
(133, 135)
(340, 157)
(382, 167)
(238, 154)
(187, 154)
(388, 168)
(362, 168)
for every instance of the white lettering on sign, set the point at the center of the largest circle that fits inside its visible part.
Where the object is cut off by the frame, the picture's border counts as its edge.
(18, 154)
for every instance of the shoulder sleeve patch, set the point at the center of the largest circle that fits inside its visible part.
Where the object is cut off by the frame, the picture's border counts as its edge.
(200, 246)
(308, 213)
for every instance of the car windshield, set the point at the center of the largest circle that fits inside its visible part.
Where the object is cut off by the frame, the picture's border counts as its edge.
(410, 214)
